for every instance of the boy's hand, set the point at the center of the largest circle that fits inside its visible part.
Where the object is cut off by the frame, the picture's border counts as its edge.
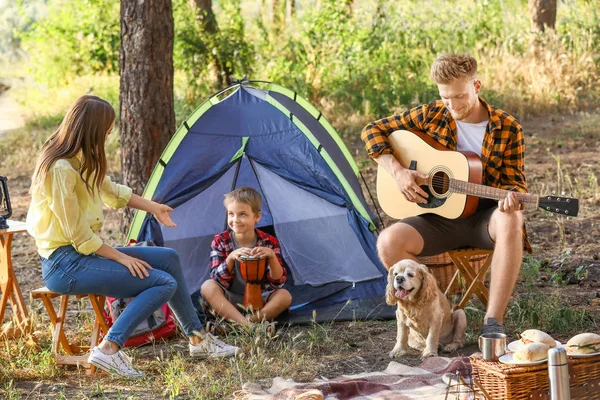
(241, 252)
(263, 252)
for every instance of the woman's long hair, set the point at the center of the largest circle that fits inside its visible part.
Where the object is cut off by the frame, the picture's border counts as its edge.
(84, 130)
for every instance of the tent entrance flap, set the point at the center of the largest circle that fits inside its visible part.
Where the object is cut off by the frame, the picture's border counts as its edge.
(314, 233)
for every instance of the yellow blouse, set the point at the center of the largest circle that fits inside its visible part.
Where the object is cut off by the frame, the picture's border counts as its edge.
(62, 211)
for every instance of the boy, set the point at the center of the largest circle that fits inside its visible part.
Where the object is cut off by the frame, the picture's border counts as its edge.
(226, 288)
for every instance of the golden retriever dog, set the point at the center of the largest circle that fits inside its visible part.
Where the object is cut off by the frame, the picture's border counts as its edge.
(424, 318)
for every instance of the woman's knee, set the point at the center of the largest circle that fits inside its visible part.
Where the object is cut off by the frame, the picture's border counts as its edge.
(165, 280)
(170, 256)
(165, 259)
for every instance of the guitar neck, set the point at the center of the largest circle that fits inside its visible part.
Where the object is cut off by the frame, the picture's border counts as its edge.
(487, 192)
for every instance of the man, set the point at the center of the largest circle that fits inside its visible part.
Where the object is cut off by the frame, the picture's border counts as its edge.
(463, 121)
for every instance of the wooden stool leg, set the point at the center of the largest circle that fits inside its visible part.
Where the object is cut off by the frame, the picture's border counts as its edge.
(474, 280)
(453, 282)
(54, 319)
(59, 333)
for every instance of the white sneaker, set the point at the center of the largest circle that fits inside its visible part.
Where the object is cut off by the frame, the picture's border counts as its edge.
(118, 363)
(211, 347)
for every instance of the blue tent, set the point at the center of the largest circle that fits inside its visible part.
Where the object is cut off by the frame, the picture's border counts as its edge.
(278, 143)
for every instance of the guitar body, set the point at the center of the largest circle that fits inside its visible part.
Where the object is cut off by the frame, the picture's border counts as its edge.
(436, 161)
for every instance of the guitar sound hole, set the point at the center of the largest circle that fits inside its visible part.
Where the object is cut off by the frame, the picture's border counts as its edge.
(440, 183)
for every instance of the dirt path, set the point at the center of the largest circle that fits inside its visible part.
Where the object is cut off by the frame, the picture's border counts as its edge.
(11, 116)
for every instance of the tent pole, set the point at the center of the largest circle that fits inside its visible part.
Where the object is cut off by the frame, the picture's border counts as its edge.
(235, 177)
(373, 201)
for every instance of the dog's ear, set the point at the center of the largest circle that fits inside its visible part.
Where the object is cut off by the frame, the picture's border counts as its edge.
(429, 286)
(390, 290)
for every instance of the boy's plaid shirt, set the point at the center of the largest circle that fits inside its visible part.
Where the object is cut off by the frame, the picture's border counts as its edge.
(502, 153)
(222, 245)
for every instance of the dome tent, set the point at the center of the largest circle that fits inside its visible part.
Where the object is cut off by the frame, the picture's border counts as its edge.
(278, 143)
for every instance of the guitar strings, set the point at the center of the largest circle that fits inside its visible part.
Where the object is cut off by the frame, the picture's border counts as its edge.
(446, 183)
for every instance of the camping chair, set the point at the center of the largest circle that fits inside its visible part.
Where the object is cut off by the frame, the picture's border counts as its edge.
(75, 354)
(461, 268)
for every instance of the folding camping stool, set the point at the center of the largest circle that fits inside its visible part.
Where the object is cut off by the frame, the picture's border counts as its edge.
(75, 354)
(462, 268)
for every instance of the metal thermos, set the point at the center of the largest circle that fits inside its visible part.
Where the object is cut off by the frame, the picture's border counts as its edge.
(558, 372)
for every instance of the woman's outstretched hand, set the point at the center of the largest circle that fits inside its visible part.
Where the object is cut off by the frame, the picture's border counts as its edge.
(161, 213)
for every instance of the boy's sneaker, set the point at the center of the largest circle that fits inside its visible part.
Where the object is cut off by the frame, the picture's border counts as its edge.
(492, 326)
(118, 363)
(211, 347)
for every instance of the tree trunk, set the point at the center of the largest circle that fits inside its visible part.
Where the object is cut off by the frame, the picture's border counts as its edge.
(350, 5)
(290, 10)
(542, 14)
(146, 68)
(205, 14)
(210, 30)
(278, 16)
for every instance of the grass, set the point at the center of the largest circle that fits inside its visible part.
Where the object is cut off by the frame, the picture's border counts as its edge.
(297, 352)
(172, 374)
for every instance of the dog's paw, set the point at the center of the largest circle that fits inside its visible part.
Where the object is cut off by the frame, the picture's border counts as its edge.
(398, 352)
(449, 348)
(429, 353)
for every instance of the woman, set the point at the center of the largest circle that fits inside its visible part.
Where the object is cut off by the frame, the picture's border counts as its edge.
(68, 188)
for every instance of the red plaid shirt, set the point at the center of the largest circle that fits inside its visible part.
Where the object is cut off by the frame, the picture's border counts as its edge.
(222, 245)
(503, 148)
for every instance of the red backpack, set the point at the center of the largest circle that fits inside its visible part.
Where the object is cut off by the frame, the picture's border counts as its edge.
(159, 325)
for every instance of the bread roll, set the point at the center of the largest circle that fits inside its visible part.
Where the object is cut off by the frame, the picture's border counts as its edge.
(537, 336)
(532, 352)
(584, 343)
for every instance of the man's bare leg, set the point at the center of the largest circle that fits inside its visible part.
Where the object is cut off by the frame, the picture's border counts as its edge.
(506, 230)
(398, 242)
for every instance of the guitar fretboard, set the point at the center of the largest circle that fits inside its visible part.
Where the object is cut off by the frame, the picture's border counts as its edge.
(473, 189)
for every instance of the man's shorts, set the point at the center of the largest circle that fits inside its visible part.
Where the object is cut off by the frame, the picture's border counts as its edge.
(442, 234)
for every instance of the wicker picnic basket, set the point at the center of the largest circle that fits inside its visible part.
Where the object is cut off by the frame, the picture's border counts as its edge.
(442, 267)
(510, 382)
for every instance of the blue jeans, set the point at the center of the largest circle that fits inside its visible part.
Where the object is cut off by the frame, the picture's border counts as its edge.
(69, 272)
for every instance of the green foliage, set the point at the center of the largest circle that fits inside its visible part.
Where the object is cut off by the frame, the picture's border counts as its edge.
(75, 38)
(530, 270)
(369, 61)
(207, 58)
(16, 17)
(549, 313)
(9, 392)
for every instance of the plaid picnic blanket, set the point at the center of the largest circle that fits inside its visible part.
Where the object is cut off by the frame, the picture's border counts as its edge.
(430, 380)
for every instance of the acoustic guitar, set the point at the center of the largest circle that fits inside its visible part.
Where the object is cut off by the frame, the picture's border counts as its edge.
(454, 182)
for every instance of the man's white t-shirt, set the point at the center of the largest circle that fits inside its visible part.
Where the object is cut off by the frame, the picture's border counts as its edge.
(470, 136)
